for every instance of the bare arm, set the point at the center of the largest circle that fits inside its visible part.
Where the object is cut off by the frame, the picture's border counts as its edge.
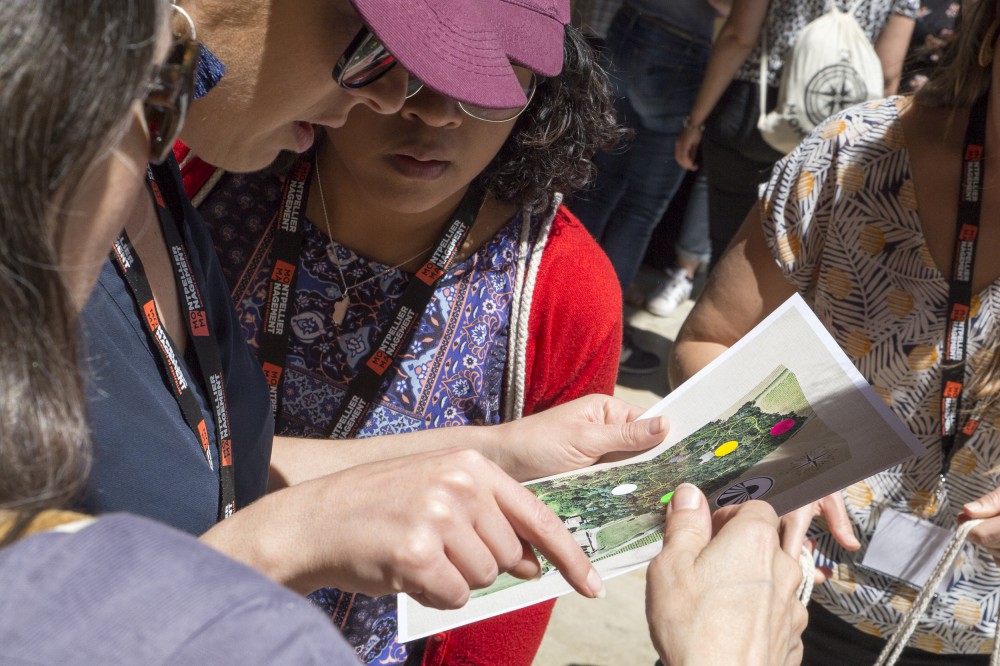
(891, 47)
(736, 39)
(434, 525)
(744, 287)
(563, 438)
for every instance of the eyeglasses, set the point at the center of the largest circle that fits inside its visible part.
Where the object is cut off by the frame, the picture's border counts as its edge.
(166, 103)
(170, 88)
(529, 83)
(365, 61)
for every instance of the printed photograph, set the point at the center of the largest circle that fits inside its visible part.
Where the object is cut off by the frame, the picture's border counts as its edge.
(615, 510)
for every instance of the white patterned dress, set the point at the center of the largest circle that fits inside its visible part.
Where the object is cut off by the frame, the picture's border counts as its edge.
(840, 216)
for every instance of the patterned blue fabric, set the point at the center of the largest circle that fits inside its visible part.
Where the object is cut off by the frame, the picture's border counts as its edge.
(451, 374)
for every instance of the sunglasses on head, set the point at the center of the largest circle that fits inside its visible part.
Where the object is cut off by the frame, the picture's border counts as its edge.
(367, 59)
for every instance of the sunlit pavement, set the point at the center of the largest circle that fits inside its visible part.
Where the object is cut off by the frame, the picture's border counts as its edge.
(612, 631)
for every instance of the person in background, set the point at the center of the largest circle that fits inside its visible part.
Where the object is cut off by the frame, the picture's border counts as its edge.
(722, 121)
(873, 220)
(657, 52)
(593, 18)
(509, 328)
(934, 30)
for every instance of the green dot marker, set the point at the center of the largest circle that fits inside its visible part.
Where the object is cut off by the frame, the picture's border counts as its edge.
(666, 498)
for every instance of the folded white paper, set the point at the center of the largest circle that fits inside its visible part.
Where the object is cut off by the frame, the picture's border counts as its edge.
(782, 416)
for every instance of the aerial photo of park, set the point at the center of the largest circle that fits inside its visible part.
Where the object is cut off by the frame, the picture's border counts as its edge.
(615, 510)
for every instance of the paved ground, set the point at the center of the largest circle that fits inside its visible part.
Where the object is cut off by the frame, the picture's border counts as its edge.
(612, 631)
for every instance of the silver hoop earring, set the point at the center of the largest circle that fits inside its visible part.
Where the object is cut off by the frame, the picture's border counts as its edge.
(187, 19)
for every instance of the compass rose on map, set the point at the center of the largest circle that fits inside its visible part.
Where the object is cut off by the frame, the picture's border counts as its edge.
(744, 491)
(813, 461)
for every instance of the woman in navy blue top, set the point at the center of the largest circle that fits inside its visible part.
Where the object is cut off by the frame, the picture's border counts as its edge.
(147, 460)
(179, 407)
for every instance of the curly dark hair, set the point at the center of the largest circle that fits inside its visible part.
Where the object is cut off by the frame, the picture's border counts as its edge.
(571, 117)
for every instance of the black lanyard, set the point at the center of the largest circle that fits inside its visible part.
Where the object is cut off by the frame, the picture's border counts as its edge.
(206, 347)
(954, 436)
(366, 386)
(289, 233)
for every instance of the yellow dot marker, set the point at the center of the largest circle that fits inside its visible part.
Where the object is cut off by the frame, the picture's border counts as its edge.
(726, 448)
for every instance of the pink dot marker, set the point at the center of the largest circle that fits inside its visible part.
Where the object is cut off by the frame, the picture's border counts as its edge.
(781, 427)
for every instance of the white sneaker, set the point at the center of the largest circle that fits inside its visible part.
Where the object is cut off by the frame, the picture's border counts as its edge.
(670, 294)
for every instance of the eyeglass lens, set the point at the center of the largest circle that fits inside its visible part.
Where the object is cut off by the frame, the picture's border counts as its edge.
(166, 103)
(364, 61)
(528, 80)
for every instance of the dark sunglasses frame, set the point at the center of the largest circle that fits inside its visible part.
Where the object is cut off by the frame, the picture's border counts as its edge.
(166, 104)
(364, 61)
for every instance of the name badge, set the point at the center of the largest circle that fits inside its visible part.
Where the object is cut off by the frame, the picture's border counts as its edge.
(906, 548)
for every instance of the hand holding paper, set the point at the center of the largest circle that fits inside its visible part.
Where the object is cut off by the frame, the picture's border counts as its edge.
(782, 416)
(694, 591)
(574, 435)
(795, 524)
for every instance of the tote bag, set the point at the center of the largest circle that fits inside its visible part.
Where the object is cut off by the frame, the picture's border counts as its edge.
(831, 67)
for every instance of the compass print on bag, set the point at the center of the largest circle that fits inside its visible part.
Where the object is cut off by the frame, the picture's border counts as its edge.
(833, 89)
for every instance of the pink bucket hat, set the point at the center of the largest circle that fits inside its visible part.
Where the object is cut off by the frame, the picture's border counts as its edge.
(464, 48)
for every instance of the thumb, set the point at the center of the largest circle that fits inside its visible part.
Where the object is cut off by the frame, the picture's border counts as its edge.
(688, 527)
(986, 506)
(622, 441)
(641, 434)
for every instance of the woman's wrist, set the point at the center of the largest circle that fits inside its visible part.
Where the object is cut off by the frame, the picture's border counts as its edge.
(690, 124)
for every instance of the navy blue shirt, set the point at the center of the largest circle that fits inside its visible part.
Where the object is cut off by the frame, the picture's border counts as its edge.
(127, 591)
(146, 459)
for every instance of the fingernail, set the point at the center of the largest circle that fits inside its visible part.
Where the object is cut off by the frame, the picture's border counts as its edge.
(973, 507)
(686, 496)
(596, 584)
(656, 425)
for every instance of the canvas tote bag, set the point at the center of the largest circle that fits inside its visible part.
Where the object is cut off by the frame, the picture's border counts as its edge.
(831, 67)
